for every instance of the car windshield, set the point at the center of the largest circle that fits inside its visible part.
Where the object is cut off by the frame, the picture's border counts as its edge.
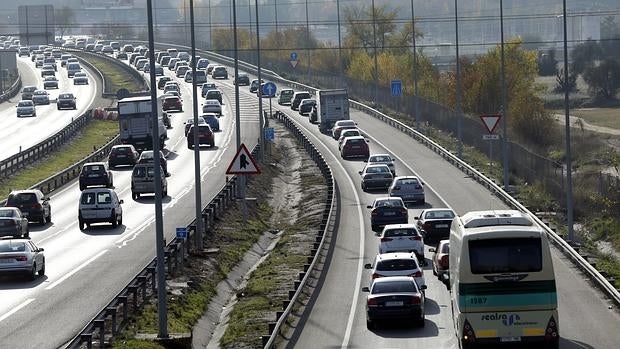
(121, 150)
(388, 203)
(12, 246)
(397, 264)
(22, 198)
(7, 213)
(144, 171)
(379, 158)
(377, 169)
(408, 181)
(439, 215)
(390, 233)
(393, 287)
(65, 96)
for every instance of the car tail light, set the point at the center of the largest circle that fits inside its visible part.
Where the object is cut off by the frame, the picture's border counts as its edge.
(416, 238)
(418, 186)
(387, 176)
(386, 239)
(374, 213)
(372, 302)
(468, 332)
(376, 275)
(444, 260)
(396, 188)
(21, 258)
(417, 274)
(415, 300)
(426, 226)
(551, 333)
(403, 210)
(36, 206)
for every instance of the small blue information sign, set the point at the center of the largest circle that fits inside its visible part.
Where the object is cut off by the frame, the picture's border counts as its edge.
(397, 88)
(182, 233)
(269, 134)
(293, 56)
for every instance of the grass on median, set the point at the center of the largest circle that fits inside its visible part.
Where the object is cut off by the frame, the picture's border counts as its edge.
(119, 78)
(93, 136)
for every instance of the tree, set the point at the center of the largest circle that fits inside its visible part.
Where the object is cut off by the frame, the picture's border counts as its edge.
(359, 23)
(64, 18)
(584, 55)
(604, 79)
(561, 86)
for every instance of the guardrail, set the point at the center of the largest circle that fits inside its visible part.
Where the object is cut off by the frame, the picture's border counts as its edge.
(13, 90)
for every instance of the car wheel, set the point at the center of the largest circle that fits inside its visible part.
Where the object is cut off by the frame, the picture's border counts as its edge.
(114, 220)
(81, 187)
(49, 216)
(42, 270)
(189, 145)
(43, 219)
(81, 223)
(33, 272)
(120, 220)
(420, 322)
(363, 187)
(134, 195)
(370, 324)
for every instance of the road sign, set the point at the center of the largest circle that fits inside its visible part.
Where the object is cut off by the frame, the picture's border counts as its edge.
(268, 89)
(269, 134)
(397, 88)
(490, 121)
(182, 233)
(293, 59)
(490, 137)
(243, 162)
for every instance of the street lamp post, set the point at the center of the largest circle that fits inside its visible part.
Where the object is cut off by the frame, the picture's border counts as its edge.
(340, 46)
(261, 120)
(504, 103)
(569, 169)
(459, 116)
(415, 72)
(374, 35)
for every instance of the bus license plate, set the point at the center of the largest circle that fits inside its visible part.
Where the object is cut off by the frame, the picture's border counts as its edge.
(510, 339)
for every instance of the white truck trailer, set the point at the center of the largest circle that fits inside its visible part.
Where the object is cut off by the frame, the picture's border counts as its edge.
(135, 122)
(331, 106)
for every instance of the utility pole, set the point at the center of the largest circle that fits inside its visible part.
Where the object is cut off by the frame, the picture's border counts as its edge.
(275, 10)
(340, 46)
(504, 105)
(415, 72)
(459, 114)
(261, 121)
(569, 166)
(374, 36)
(307, 44)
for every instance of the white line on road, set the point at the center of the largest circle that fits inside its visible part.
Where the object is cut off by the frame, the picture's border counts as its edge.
(16, 309)
(68, 275)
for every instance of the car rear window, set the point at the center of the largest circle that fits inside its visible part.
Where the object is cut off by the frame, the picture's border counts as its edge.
(439, 215)
(410, 181)
(65, 96)
(93, 169)
(389, 203)
(445, 248)
(379, 159)
(171, 99)
(7, 213)
(400, 232)
(355, 141)
(12, 246)
(377, 169)
(24, 104)
(22, 198)
(144, 171)
(397, 265)
(351, 134)
(121, 150)
(394, 286)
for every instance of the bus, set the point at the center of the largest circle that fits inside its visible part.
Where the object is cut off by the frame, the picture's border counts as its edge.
(502, 283)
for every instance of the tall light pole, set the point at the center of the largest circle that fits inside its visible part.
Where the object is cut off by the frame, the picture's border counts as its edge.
(569, 166)
(260, 92)
(374, 36)
(307, 43)
(210, 27)
(339, 45)
(197, 184)
(459, 114)
(275, 10)
(159, 225)
(504, 103)
(415, 71)
(236, 57)
(250, 24)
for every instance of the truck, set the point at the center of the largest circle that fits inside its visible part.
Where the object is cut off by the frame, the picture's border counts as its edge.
(135, 121)
(331, 106)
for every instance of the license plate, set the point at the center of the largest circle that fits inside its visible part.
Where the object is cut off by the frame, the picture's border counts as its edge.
(394, 304)
(93, 175)
(121, 156)
(510, 339)
(389, 213)
(441, 226)
(355, 147)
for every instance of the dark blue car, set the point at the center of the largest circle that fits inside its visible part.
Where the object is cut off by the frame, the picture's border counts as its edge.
(388, 210)
(212, 120)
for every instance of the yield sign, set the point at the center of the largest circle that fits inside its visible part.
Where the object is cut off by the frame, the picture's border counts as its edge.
(243, 163)
(490, 121)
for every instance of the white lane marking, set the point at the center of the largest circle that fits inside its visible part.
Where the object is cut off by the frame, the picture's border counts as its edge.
(16, 309)
(56, 233)
(69, 274)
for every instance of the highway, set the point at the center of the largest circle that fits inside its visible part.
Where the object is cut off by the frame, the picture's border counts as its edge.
(22, 133)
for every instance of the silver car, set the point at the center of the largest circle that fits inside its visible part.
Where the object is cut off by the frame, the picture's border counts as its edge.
(80, 78)
(382, 159)
(40, 97)
(143, 180)
(50, 82)
(13, 223)
(26, 108)
(376, 176)
(212, 106)
(408, 188)
(21, 256)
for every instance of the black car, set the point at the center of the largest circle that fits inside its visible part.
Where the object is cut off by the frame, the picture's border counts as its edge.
(66, 101)
(162, 82)
(214, 94)
(242, 80)
(12, 223)
(305, 107)
(32, 203)
(254, 85)
(95, 173)
(123, 154)
(387, 210)
(394, 298)
(434, 223)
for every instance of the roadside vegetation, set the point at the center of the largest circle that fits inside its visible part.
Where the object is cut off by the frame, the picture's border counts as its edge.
(116, 77)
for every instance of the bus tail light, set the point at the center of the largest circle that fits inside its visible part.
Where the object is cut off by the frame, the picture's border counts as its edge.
(551, 333)
(468, 332)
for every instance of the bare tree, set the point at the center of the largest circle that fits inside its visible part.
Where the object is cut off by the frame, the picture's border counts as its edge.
(64, 20)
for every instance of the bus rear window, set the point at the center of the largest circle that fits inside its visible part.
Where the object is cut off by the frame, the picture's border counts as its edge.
(513, 255)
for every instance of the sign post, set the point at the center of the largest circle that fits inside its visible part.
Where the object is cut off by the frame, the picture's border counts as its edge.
(269, 136)
(490, 122)
(293, 59)
(268, 89)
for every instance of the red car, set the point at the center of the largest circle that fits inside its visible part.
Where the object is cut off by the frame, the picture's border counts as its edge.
(172, 103)
(355, 146)
(205, 136)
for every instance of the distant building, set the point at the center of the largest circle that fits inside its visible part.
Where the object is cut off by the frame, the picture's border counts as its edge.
(36, 24)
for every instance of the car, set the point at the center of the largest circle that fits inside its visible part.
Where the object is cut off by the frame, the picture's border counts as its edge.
(26, 108)
(441, 259)
(172, 86)
(13, 223)
(51, 61)
(66, 101)
(205, 136)
(409, 188)
(214, 94)
(161, 82)
(32, 203)
(69, 44)
(80, 78)
(146, 157)
(254, 85)
(434, 224)
(40, 97)
(128, 48)
(376, 176)
(219, 72)
(401, 263)
(35, 54)
(190, 122)
(23, 51)
(107, 49)
(47, 70)
(63, 59)
(143, 180)
(142, 63)
(212, 120)
(21, 256)
(116, 46)
(120, 55)
(347, 133)
(285, 96)
(180, 72)
(297, 97)
(387, 210)
(206, 87)
(355, 146)
(210, 67)
(202, 64)
(402, 238)
(397, 297)
(123, 154)
(99, 205)
(171, 64)
(27, 92)
(179, 64)
(381, 159)
(89, 48)
(242, 80)
(172, 93)
(56, 53)
(73, 68)
(132, 57)
(38, 61)
(172, 103)
(50, 82)
(159, 71)
(212, 106)
(305, 107)
(184, 56)
(95, 173)
(98, 48)
(201, 76)
(165, 117)
(341, 125)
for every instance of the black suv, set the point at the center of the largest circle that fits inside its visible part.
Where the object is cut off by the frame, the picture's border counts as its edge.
(123, 154)
(242, 80)
(34, 205)
(95, 173)
(66, 101)
(162, 82)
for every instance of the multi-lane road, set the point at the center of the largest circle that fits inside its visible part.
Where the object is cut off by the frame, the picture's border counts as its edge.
(85, 269)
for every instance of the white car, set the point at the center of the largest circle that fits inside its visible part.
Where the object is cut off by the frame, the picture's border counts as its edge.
(382, 159)
(402, 238)
(397, 264)
(99, 205)
(26, 108)
(347, 133)
(80, 78)
(212, 106)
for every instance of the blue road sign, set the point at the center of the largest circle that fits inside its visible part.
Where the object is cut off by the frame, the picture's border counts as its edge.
(397, 88)
(182, 233)
(269, 134)
(293, 56)
(269, 89)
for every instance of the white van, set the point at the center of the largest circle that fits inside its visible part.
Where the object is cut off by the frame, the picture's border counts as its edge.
(173, 52)
(502, 281)
(98, 205)
(73, 68)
